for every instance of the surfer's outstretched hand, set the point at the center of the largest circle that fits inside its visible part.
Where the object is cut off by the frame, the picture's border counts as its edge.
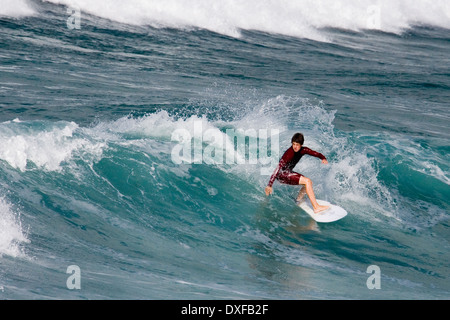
(268, 190)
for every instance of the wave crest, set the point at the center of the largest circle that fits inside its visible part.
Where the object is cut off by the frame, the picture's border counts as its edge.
(303, 19)
(11, 234)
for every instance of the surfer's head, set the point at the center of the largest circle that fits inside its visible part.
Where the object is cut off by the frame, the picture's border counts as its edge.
(297, 141)
(298, 137)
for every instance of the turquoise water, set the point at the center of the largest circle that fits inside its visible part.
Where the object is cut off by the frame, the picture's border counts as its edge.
(88, 177)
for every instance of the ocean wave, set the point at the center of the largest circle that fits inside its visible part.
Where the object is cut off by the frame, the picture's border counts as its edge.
(249, 145)
(26, 145)
(12, 234)
(304, 19)
(16, 8)
(354, 178)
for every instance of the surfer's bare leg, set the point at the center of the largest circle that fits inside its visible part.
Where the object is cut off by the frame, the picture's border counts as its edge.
(301, 195)
(310, 192)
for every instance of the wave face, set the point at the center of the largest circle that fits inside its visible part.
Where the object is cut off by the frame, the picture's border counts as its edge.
(138, 146)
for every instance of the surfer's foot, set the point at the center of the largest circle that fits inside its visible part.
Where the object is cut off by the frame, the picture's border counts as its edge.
(299, 201)
(320, 208)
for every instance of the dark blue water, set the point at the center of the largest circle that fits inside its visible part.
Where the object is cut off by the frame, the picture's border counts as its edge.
(90, 118)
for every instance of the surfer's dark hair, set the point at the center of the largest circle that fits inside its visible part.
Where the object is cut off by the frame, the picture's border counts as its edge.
(298, 137)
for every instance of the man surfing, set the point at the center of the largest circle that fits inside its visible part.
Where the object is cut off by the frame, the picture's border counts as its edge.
(283, 172)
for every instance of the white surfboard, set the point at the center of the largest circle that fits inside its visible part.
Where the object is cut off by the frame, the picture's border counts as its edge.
(333, 213)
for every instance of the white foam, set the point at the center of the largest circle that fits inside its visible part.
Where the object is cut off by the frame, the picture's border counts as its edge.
(16, 8)
(157, 125)
(163, 127)
(349, 179)
(11, 235)
(46, 148)
(288, 17)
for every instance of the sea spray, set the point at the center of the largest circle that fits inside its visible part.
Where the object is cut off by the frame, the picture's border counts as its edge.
(12, 235)
(16, 8)
(43, 144)
(141, 226)
(301, 19)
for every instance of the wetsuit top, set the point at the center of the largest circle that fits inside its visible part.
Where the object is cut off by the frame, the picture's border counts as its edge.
(289, 159)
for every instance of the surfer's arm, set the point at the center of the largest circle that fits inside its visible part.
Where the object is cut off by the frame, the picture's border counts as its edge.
(274, 175)
(287, 156)
(268, 190)
(316, 154)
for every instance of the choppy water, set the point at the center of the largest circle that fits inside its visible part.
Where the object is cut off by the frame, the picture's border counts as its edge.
(88, 177)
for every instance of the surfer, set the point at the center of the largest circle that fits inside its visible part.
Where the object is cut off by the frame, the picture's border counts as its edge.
(283, 172)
